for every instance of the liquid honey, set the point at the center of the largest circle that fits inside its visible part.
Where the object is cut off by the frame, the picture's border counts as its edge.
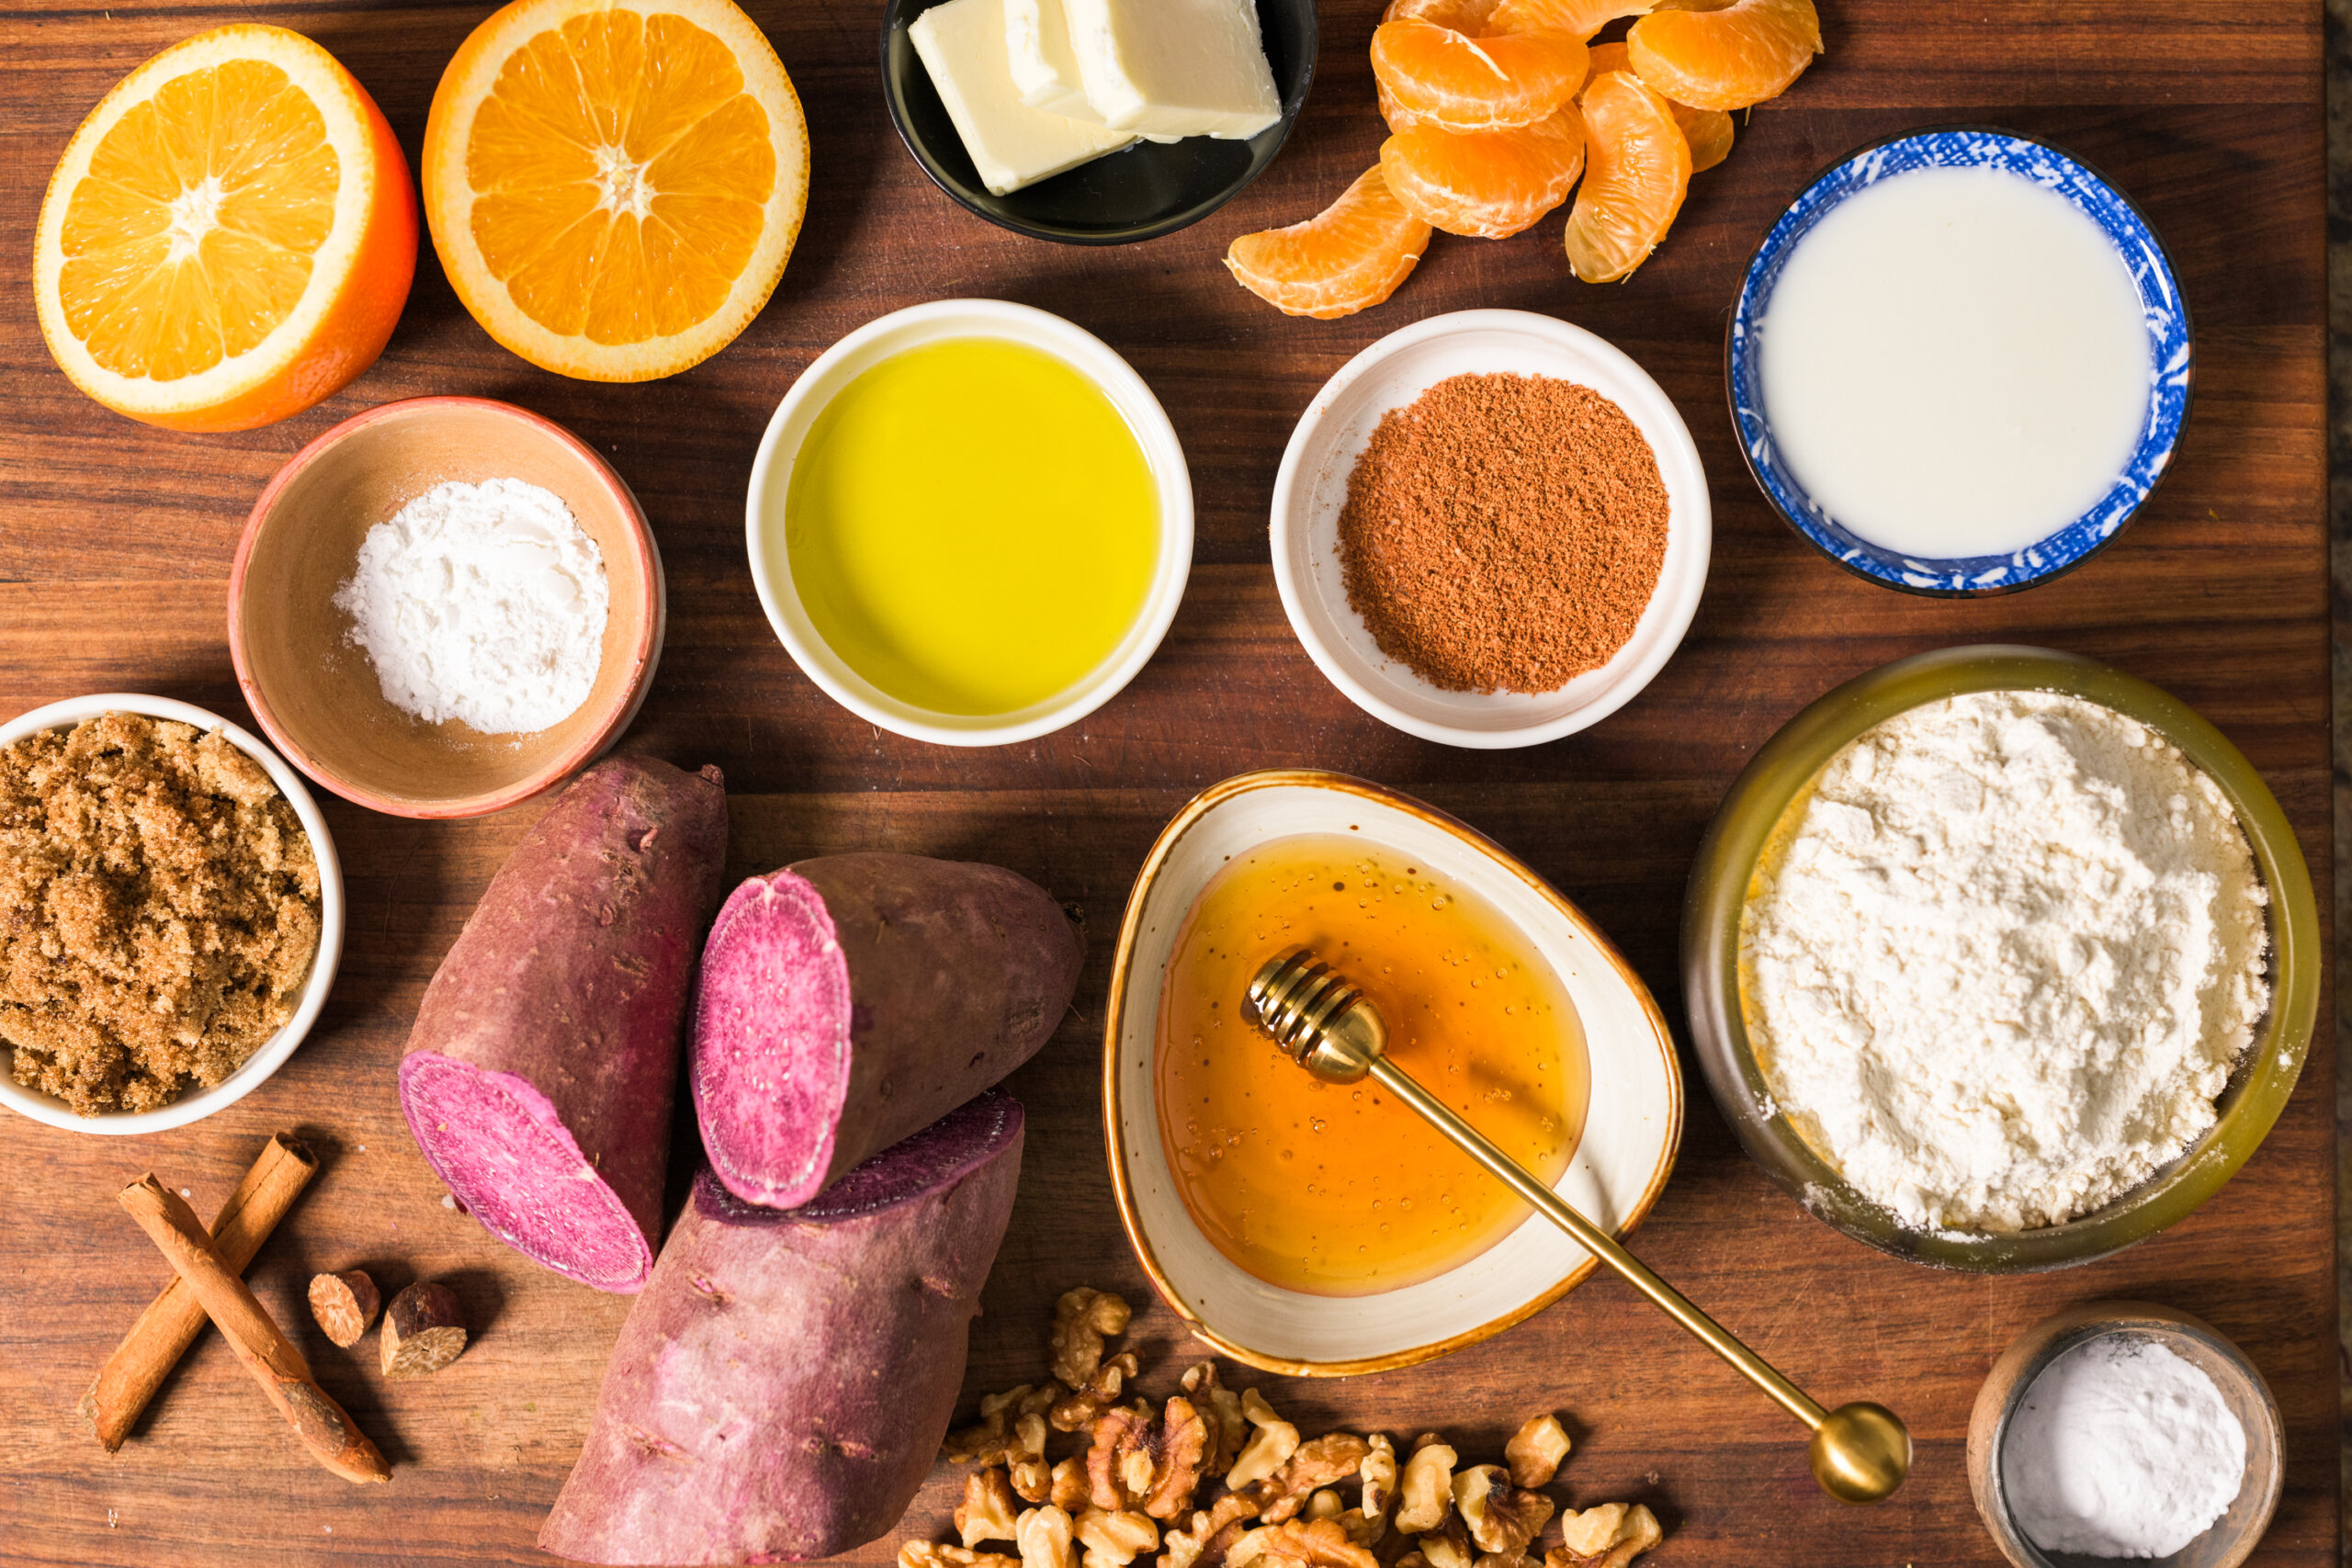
(1337, 1189)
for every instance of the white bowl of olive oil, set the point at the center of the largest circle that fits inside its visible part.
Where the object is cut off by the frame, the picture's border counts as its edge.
(1313, 1229)
(970, 522)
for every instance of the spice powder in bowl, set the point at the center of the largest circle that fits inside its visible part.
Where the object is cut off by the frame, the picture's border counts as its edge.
(1503, 533)
(159, 911)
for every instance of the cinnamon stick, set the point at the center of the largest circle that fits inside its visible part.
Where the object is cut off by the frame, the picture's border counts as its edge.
(174, 1319)
(333, 1438)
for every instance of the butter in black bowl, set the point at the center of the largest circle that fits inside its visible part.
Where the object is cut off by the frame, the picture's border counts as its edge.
(1146, 191)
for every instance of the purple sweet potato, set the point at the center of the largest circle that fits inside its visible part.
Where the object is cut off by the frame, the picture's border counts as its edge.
(541, 1068)
(781, 1388)
(848, 1001)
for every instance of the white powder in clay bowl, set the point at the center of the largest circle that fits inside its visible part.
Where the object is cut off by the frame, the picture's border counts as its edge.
(2121, 1447)
(481, 603)
(2001, 961)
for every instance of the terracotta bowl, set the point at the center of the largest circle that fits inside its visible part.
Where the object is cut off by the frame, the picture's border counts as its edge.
(1633, 1123)
(2231, 1539)
(315, 691)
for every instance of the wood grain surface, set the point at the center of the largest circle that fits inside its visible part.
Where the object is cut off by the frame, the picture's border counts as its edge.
(115, 543)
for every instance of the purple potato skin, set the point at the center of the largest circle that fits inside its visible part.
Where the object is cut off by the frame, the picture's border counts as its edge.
(781, 1388)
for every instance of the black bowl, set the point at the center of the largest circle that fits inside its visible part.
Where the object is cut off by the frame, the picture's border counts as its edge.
(1149, 190)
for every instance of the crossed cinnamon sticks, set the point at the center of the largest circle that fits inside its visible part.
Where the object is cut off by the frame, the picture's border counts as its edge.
(208, 1266)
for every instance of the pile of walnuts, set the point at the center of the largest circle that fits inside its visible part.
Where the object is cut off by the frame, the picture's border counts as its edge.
(1215, 1478)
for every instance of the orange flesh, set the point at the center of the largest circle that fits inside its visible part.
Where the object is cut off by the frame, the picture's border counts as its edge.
(1337, 1190)
(1486, 183)
(1351, 254)
(1709, 131)
(191, 238)
(1495, 83)
(621, 175)
(1637, 168)
(1728, 59)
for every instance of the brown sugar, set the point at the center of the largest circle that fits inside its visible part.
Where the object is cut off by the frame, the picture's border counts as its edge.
(1503, 533)
(159, 911)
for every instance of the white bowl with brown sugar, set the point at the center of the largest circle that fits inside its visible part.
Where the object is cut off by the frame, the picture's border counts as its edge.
(288, 1006)
(1427, 494)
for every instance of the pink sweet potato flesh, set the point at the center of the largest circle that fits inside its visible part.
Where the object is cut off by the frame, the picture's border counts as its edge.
(781, 1389)
(846, 1001)
(542, 1065)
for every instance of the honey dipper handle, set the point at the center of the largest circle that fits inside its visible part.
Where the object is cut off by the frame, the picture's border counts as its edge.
(1599, 1242)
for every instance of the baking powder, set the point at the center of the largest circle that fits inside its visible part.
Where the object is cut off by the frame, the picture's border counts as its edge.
(2002, 962)
(2121, 1447)
(482, 603)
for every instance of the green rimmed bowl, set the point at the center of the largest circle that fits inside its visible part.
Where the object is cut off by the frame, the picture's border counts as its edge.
(2258, 1085)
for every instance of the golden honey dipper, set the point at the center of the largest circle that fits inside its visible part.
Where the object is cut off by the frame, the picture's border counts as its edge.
(1861, 1452)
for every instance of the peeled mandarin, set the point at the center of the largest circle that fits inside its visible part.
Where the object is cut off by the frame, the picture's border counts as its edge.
(1486, 183)
(1457, 83)
(614, 192)
(1637, 169)
(1709, 131)
(1743, 54)
(230, 236)
(1351, 254)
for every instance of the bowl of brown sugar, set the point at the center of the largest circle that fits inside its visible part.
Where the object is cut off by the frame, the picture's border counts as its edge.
(171, 913)
(1491, 529)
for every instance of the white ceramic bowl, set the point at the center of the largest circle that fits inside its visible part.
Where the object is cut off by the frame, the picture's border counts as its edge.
(939, 321)
(1312, 487)
(1632, 1126)
(197, 1104)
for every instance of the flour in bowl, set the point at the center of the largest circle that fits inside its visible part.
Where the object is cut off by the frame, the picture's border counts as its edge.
(484, 603)
(2001, 962)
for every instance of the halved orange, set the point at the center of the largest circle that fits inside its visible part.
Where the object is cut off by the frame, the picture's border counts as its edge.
(1448, 79)
(1486, 183)
(1637, 167)
(614, 185)
(229, 237)
(1709, 131)
(1743, 54)
(1353, 253)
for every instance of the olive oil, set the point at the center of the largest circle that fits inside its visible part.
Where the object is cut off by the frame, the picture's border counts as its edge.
(1334, 1189)
(972, 526)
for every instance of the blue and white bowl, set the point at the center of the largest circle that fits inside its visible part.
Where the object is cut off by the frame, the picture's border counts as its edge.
(2165, 312)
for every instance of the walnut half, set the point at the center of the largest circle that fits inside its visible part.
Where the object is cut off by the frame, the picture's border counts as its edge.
(1501, 1518)
(1425, 1489)
(1609, 1536)
(1081, 1318)
(1300, 1543)
(1114, 1537)
(986, 1512)
(1536, 1450)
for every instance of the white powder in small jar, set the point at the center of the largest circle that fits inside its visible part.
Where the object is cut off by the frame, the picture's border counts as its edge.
(2121, 1447)
(481, 603)
(1999, 965)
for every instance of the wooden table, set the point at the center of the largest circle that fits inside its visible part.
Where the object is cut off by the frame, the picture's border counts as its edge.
(115, 543)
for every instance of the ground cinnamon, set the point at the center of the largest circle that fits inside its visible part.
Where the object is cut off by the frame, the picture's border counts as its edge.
(1503, 531)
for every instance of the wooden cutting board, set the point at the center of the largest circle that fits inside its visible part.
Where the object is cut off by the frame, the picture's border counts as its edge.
(115, 543)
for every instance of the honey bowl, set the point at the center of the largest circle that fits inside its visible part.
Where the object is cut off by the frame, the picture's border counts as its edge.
(1629, 1088)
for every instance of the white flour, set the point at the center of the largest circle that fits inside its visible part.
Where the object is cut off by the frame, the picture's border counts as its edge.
(481, 603)
(2001, 965)
(2121, 1447)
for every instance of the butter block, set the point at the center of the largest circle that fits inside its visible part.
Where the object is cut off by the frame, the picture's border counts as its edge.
(1169, 68)
(962, 44)
(1045, 69)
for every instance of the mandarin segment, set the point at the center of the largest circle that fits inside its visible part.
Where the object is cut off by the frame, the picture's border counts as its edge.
(1726, 59)
(230, 236)
(1352, 254)
(1709, 131)
(1637, 170)
(1486, 183)
(1578, 19)
(1469, 17)
(1448, 79)
(613, 191)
